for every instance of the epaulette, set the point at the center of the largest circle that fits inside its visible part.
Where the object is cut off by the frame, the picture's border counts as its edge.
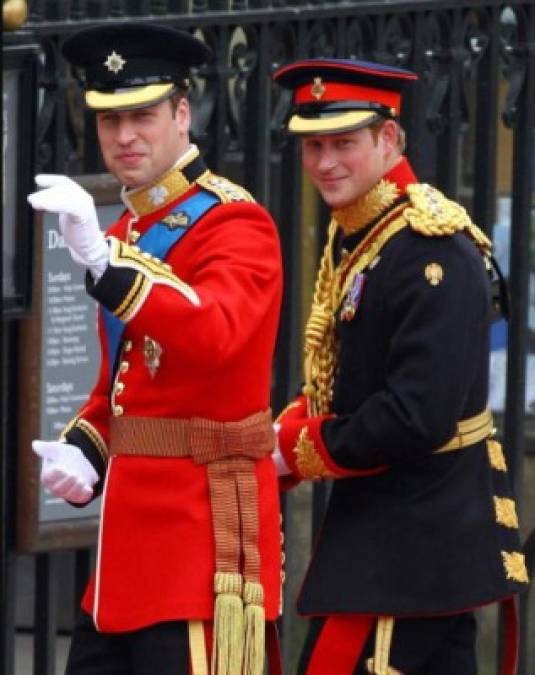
(431, 214)
(223, 188)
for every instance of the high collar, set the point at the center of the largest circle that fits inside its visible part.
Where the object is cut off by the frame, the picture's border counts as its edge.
(168, 187)
(377, 201)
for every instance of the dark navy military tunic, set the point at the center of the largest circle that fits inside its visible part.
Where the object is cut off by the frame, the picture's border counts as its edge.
(422, 537)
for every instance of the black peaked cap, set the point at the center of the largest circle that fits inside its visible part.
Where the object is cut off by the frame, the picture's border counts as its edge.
(133, 54)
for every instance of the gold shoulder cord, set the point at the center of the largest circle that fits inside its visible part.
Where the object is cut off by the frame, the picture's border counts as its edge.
(320, 342)
(320, 339)
(332, 284)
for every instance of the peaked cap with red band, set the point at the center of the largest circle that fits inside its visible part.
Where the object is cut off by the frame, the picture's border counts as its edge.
(336, 95)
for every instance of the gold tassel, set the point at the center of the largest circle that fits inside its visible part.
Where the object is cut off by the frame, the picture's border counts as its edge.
(227, 651)
(255, 622)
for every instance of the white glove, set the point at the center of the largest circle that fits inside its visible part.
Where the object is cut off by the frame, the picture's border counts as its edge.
(78, 220)
(66, 472)
(279, 461)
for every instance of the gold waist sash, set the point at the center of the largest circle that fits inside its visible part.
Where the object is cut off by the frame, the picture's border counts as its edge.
(202, 439)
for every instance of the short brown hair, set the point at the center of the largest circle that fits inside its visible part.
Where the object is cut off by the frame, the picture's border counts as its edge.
(175, 99)
(375, 128)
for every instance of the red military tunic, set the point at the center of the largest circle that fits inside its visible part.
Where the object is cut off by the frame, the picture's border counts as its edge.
(214, 315)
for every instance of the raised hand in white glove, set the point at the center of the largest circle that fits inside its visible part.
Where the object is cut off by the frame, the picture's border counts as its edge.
(279, 461)
(78, 220)
(66, 472)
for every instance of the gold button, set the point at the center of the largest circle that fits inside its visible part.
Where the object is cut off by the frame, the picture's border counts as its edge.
(124, 366)
(134, 236)
(119, 387)
(118, 410)
(128, 345)
(282, 537)
(283, 576)
(283, 557)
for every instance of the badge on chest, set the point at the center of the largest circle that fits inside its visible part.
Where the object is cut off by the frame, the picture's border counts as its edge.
(353, 297)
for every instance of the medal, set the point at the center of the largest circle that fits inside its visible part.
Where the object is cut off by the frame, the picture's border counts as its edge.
(152, 352)
(353, 297)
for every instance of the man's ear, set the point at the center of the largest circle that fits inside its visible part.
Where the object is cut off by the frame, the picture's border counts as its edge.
(183, 116)
(389, 134)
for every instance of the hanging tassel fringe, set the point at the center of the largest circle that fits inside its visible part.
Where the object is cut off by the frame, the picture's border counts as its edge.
(227, 651)
(255, 632)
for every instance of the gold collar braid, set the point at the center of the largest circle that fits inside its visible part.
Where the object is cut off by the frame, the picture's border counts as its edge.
(162, 191)
(364, 210)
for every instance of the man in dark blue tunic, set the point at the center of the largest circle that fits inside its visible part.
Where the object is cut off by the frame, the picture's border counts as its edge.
(420, 528)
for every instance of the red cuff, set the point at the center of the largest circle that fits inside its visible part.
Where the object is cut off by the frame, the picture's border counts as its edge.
(305, 453)
(297, 409)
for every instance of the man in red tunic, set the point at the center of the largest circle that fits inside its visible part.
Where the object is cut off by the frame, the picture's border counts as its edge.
(176, 434)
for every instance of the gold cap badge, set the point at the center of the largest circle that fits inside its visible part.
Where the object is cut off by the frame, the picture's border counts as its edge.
(318, 88)
(115, 62)
(434, 273)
